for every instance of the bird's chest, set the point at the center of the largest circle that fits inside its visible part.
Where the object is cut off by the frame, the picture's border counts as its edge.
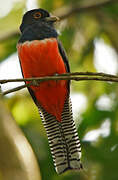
(40, 58)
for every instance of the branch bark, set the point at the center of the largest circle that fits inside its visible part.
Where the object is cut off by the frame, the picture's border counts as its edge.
(76, 76)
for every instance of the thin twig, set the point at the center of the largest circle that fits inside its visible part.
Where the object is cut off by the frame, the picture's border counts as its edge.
(68, 76)
(16, 89)
(89, 74)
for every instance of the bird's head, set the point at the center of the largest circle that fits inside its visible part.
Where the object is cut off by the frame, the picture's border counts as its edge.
(37, 16)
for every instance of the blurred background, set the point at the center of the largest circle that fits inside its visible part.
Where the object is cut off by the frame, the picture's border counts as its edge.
(89, 32)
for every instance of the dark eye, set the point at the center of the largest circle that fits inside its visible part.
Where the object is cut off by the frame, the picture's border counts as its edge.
(37, 15)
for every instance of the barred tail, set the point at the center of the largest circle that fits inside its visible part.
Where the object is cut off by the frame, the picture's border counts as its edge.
(63, 139)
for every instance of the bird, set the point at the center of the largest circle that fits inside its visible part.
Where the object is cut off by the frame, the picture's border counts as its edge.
(42, 54)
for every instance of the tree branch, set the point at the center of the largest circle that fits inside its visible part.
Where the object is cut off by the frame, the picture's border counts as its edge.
(14, 161)
(86, 8)
(16, 89)
(76, 76)
(9, 35)
(66, 76)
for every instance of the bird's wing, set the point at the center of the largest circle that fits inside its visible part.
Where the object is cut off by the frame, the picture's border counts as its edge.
(65, 59)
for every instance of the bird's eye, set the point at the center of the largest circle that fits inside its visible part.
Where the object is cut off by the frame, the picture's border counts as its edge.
(37, 15)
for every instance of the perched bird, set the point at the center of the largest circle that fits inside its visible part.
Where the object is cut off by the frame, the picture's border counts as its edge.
(41, 54)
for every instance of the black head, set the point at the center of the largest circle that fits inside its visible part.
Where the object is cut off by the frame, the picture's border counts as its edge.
(37, 16)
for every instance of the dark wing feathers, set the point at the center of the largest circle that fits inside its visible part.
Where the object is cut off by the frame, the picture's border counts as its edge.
(65, 59)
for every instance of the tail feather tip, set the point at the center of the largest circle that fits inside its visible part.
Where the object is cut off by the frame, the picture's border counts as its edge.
(69, 168)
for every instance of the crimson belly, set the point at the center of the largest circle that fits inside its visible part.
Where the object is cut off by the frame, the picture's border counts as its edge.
(39, 59)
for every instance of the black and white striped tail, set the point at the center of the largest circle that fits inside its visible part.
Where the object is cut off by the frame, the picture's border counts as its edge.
(63, 139)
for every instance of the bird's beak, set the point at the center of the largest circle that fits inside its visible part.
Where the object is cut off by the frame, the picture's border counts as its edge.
(52, 19)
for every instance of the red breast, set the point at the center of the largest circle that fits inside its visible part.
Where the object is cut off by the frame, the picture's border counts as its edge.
(42, 58)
